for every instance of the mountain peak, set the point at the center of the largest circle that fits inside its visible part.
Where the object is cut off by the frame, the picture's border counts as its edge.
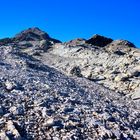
(32, 34)
(99, 40)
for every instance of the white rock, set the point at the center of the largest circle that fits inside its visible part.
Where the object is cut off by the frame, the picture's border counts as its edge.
(136, 95)
(13, 130)
(3, 136)
(17, 110)
(9, 85)
(49, 122)
(44, 112)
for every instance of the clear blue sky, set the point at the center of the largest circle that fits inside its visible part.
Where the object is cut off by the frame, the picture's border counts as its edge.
(69, 19)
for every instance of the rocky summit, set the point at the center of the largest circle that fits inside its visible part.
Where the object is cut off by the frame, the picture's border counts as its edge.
(76, 90)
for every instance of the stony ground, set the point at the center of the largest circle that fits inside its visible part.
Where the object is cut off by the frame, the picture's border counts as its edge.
(38, 102)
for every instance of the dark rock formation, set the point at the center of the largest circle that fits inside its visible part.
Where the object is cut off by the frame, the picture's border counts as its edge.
(5, 41)
(98, 40)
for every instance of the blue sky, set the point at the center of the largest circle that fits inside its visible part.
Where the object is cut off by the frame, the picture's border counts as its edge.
(69, 19)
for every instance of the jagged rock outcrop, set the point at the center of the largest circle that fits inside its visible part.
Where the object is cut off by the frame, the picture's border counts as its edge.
(5, 41)
(98, 40)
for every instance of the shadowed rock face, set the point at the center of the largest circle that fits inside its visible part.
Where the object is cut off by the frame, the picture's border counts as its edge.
(98, 40)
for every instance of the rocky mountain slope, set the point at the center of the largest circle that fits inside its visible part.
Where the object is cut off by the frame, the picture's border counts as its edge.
(113, 64)
(82, 89)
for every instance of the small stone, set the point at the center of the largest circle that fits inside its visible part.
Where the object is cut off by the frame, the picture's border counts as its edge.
(7, 115)
(56, 138)
(49, 122)
(117, 78)
(9, 85)
(19, 110)
(2, 121)
(47, 86)
(1, 111)
(44, 112)
(136, 94)
(111, 119)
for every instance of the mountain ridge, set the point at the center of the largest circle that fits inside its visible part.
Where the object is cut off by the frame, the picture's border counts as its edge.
(46, 36)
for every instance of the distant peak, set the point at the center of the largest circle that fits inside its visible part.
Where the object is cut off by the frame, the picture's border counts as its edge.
(34, 30)
(98, 40)
(122, 42)
(75, 42)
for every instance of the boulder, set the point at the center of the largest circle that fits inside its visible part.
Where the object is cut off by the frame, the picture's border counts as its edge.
(76, 71)
(9, 85)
